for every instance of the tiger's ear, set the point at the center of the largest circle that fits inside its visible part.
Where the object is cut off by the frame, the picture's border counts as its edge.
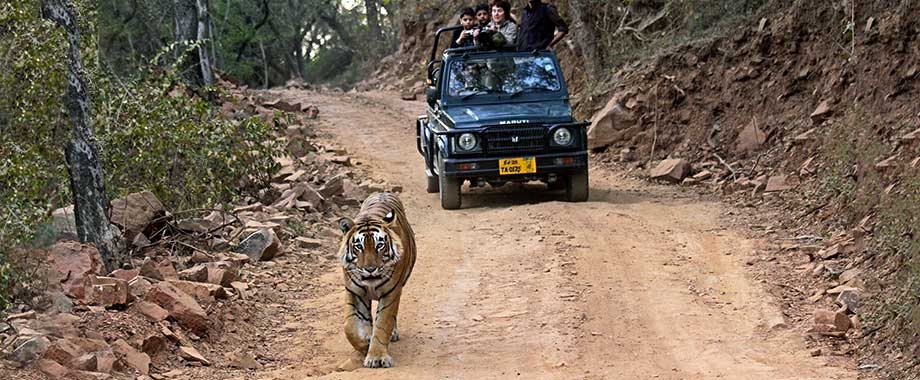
(346, 224)
(389, 217)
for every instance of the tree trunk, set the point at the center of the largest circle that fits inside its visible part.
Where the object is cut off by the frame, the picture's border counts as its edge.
(86, 177)
(187, 31)
(207, 75)
(373, 22)
(586, 36)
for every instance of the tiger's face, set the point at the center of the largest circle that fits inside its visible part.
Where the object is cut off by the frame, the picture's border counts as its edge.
(370, 251)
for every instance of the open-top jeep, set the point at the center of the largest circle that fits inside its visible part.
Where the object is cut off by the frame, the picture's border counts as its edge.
(499, 116)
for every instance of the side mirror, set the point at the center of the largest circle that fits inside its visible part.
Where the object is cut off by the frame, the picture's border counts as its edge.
(431, 94)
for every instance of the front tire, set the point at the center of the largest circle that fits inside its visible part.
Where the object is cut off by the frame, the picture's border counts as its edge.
(433, 183)
(450, 192)
(576, 187)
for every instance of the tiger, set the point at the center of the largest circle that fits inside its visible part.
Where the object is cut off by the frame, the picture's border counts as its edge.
(378, 253)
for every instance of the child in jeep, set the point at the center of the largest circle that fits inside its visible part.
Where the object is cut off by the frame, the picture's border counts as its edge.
(465, 37)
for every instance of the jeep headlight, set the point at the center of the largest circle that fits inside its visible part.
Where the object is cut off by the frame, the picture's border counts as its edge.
(562, 137)
(467, 142)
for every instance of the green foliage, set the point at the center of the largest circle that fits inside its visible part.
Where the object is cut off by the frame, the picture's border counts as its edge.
(152, 134)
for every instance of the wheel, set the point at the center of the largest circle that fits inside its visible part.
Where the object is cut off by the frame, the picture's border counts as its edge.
(432, 186)
(449, 188)
(576, 187)
(559, 184)
(450, 192)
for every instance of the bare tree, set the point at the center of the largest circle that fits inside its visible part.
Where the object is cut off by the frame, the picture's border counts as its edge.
(204, 39)
(82, 155)
(373, 21)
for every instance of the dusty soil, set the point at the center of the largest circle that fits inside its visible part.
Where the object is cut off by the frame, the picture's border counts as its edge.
(639, 282)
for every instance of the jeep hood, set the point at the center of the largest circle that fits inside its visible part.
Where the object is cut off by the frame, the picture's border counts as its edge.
(476, 115)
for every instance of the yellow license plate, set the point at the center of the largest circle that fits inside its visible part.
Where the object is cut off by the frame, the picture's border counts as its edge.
(518, 165)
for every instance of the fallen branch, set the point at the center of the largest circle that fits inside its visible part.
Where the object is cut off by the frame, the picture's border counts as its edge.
(727, 166)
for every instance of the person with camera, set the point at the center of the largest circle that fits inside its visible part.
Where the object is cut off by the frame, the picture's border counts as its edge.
(503, 30)
(465, 37)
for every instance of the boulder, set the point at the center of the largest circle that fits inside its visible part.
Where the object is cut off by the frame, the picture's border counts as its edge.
(68, 350)
(191, 354)
(262, 245)
(849, 299)
(199, 257)
(334, 186)
(64, 223)
(672, 170)
(150, 310)
(839, 320)
(613, 122)
(106, 291)
(74, 261)
(135, 213)
(30, 350)
(132, 357)
(198, 273)
(181, 306)
(201, 291)
(222, 276)
(52, 368)
(750, 139)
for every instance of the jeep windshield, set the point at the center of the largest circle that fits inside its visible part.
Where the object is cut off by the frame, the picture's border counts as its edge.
(502, 76)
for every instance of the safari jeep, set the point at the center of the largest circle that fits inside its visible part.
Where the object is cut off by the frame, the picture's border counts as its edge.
(499, 116)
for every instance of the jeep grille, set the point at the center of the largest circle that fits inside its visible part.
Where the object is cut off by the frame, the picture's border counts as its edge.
(518, 139)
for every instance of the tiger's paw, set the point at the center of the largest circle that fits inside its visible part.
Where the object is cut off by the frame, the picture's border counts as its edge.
(384, 361)
(395, 335)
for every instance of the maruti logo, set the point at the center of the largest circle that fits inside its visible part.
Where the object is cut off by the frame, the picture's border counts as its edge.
(515, 139)
(504, 122)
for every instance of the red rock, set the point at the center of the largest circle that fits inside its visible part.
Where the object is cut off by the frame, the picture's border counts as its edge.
(673, 170)
(137, 360)
(125, 274)
(138, 286)
(198, 273)
(221, 276)
(777, 183)
(750, 139)
(200, 258)
(72, 262)
(191, 354)
(202, 292)
(106, 291)
(152, 311)
(839, 320)
(52, 368)
(822, 112)
(153, 344)
(68, 349)
(615, 122)
(135, 212)
(181, 306)
(167, 270)
(85, 362)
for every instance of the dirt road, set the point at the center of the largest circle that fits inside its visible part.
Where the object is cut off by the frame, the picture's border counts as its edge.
(637, 283)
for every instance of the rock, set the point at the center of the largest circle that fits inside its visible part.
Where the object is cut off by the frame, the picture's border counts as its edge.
(236, 260)
(915, 135)
(197, 273)
(750, 139)
(805, 136)
(125, 274)
(244, 361)
(840, 321)
(60, 302)
(52, 368)
(829, 252)
(334, 186)
(68, 350)
(64, 223)
(135, 213)
(201, 291)
(149, 269)
(30, 350)
(25, 315)
(849, 275)
(72, 262)
(628, 154)
(821, 113)
(105, 361)
(840, 289)
(341, 160)
(86, 362)
(135, 359)
(191, 354)
(886, 163)
(58, 325)
(407, 96)
(352, 190)
(777, 183)
(308, 243)
(849, 298)
(181, 306)
(167, 270)
(262, 245)
(150, 310)
(196, 225)
(221, 276)
(311, 111)
(672, 170)
(153, 344)
(139, 286)
(615, 122)
(106, 291)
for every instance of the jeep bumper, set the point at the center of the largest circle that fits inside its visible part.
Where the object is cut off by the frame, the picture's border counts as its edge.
(488, 167)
